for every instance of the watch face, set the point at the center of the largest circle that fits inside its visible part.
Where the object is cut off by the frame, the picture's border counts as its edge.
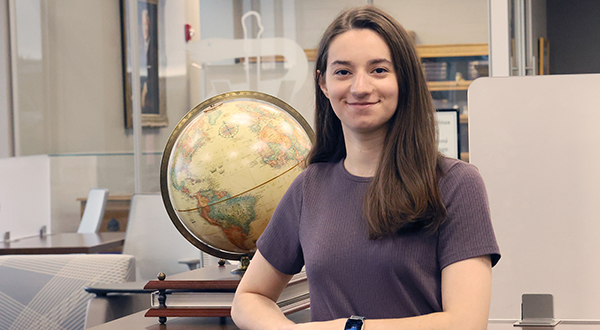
(353, 324)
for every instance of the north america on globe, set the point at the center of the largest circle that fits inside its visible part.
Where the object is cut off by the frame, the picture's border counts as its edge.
(229, 168)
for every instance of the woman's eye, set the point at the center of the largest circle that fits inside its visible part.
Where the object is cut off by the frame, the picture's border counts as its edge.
(342, 72)
(380, 70)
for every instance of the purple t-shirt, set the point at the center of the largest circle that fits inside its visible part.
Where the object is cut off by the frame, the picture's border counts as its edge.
(319, 224)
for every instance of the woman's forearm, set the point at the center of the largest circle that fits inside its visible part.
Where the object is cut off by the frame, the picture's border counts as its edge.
(253, 311)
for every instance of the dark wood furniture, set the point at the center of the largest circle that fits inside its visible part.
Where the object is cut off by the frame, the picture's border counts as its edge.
(213, 278)
(65, 243)
(203, 282)
(138, 321)
(116, 212)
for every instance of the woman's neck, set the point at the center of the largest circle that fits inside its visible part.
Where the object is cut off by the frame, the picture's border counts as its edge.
(362, 153)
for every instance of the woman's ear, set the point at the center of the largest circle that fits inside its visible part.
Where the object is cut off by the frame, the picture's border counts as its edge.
(322, 83)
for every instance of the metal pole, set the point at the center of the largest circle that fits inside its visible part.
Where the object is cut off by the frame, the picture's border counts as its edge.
(520, 37)
(529, 50)
(133, 59)
(14, 81)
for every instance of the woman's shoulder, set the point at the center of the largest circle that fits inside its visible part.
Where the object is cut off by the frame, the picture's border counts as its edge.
(457, 172)
(453, 167)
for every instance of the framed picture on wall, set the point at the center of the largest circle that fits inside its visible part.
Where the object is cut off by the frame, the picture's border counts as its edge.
(151, 47)
(448, 124)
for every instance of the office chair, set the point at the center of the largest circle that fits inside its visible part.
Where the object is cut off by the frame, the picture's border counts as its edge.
(93, 214)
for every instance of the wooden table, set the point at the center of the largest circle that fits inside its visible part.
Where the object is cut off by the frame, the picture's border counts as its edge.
(64, 243)
(138, 321)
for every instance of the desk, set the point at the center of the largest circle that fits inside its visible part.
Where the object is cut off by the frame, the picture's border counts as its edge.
(564, 325)
(64, 243)
(138, 321)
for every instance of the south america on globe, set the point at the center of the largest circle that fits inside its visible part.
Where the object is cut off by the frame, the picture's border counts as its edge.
(226, 166)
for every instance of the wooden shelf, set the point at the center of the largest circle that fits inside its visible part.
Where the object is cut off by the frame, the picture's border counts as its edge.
(311, 54)
(424, 51)
(461, 85)
(454, 50)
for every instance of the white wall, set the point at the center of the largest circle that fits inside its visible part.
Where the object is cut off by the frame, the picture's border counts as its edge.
(434, 21)
(313, 17)
(499, 38)
(441, 22)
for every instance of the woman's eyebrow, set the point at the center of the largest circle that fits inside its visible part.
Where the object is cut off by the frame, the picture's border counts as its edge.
(371, 62)
(340, 62)
(379, 61)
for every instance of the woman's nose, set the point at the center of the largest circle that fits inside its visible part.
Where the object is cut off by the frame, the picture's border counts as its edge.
(361, 85)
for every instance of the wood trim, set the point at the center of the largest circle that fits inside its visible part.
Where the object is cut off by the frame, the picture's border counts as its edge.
(224, 311)
(311, 54)
(461, 85)
(456, 50)
(109, 198)
(230, 285)
(424, 51)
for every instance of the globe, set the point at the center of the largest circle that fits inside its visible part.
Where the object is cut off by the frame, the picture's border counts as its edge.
(226, 166)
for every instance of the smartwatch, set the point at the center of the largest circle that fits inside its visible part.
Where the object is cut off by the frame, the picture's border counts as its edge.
(355, 323)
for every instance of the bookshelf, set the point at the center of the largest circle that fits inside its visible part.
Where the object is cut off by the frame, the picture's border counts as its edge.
(450, 70)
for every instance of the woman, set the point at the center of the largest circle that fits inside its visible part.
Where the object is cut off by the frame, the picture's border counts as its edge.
(387, 228)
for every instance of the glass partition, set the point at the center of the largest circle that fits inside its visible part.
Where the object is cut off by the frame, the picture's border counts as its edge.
(70, 87)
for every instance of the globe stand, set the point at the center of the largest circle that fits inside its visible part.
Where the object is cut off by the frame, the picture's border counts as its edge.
(244, 263)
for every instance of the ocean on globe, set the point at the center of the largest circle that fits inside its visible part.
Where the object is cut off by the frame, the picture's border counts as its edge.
(226, 166)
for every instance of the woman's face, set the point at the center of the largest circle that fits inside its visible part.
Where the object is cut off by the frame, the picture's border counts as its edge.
(360, 81)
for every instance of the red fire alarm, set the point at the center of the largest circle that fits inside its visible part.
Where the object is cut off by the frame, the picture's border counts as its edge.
(189, 32)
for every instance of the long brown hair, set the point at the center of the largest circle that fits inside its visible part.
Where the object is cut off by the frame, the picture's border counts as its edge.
(404, 194)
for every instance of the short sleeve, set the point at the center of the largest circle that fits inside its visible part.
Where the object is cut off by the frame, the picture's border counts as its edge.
(467, 231)
(280, 243)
